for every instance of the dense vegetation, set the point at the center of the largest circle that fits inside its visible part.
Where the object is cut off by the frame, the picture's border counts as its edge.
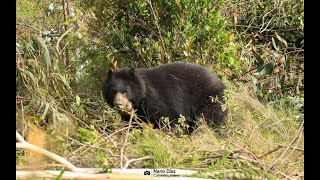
(255, 47)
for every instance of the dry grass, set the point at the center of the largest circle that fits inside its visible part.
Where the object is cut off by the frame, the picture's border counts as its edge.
(256, 141)
(255, 136)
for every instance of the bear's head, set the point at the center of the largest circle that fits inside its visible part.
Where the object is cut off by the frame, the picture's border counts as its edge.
(123, 88)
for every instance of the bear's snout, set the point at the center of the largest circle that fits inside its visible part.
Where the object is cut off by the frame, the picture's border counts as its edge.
(122, 102)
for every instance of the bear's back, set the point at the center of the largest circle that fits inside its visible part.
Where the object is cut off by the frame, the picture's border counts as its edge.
(181, 74)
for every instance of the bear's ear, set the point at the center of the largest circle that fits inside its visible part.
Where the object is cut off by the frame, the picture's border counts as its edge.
(132, 71)
(110, 72)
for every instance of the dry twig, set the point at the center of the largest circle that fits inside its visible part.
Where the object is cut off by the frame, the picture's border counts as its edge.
(125, 140)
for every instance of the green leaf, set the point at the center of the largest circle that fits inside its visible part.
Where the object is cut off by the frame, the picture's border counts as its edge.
(269, 67)
(277, 79)
(60, 138)
(262, 70)
(259, 60)
(282, 81)
(46, 53)
(60, 175)
(231, 61)
(254, 83)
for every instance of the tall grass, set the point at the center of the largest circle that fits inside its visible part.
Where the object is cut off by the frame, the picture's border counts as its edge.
(257, 140)
(43, 83)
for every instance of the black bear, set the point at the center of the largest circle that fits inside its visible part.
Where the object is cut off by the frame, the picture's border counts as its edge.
(168, 90)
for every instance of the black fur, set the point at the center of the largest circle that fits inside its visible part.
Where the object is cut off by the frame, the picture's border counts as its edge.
(168, 91)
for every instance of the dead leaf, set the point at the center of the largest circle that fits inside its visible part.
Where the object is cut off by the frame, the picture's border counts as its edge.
(115, 64)
(228, 72)
(253, 43)
(276, 70)
(282, 40)
(281, 60)
(274, 44)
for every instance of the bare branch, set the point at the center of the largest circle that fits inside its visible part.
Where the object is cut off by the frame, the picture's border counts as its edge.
(58, 42)
(294, 148)
(27, 25)
(133, 160)
(269, 152)
(25, 145)
(47, 153)
(20, 138)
